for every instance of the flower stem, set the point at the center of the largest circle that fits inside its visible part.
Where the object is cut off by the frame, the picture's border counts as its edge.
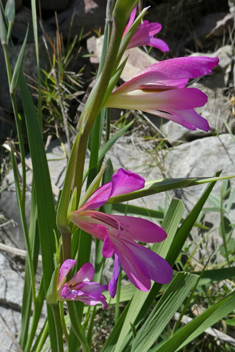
(77, 328)
(94, 103)
(59, 331)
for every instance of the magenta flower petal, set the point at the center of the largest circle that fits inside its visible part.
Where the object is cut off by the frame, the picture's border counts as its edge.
(160, 90)
(114, 280)
(193, 118)
(79, 288)
(99, 197)
(178, 68)
(172, 117)
(86, 273)
(131, 20)
(138, 261)
(93, 288)
(164, 85)
(158, 43)
(140, 229)
(99, 231)
(93, 302)
(135, 274)
(152, 28)
(118, 234)
(125, 181)
(107, 249)
(144, 34)
(64, 270)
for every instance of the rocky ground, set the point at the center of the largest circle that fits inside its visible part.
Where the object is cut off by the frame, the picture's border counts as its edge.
(207, 28)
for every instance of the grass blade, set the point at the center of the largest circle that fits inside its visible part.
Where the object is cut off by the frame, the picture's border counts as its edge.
(44, 195)
(170, 225)
(162, 185)
(164, 310)
(198, 325)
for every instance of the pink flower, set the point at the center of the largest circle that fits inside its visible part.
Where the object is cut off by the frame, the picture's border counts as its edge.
(79, 288)
(119, 234)
(144, 35)
(160, 89)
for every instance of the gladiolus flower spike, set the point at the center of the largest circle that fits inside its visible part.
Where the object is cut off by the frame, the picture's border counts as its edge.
(160, 89)
(79, 288)
(119, 234)
(144, 35)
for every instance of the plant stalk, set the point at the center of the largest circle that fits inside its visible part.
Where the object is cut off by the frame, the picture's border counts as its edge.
(77, 328)
(59, 331)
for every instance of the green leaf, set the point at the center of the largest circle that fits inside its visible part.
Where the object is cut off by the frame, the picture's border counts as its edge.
(3, 32)
(162, 185)
(36, 41)
(92, 187)
(61, 219)
(94, 145)
(142, 300)
(111, 341)
(36, 316)
(10, 10)
(188, 224)
(134, 210)
(10, 15)
(24, 224)
(114, 80)
(122, 11)
(136, 309)
(164, 310)
(170, 225)
(27, 296)
(230, 322)
(127, 291)
(18, 66)
(215, 275)
(108, 145)
(51, 295)
(73, 201)
(43, 193)
(198, 325)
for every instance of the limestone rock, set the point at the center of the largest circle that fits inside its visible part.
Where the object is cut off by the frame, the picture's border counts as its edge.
(202, 158)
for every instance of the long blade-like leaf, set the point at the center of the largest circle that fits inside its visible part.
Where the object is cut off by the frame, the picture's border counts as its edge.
(170, 224)
(18, 66)
(162, 185)
(198, 325)
(44, 195)
(164, 310)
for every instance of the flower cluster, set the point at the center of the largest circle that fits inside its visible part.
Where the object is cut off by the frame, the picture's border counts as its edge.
(159, 89)
(145, 33)
(79, 288)
(120, 233)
